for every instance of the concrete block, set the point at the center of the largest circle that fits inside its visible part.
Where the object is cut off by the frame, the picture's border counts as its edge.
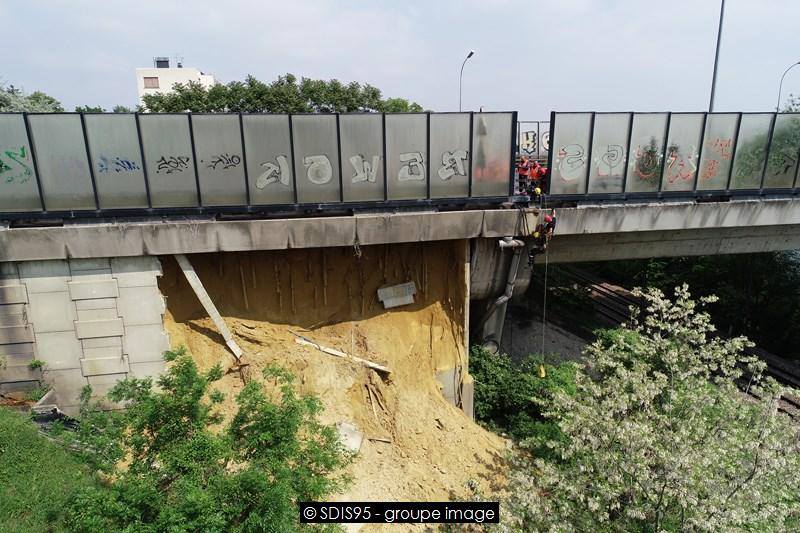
(98, 263)
(449, 383)
(98, 314)
(67, 384)
(97, 289)
(17, 388)
(152, 369)
(87, 329)
(26, 348)
(102, 384)
(350, 436)
(8, 269)
(12, 309)
(19, 373)
(102, 342)
(16, 334)
(13, 320)
(106, 365)
(144, 344)
(468, 396)
(397, 295)
(51, 311)
(13, 294)
(96, 303)
(60, 350)
(141, 305)
(44, 276)
(104, 352)
(92, 276)
(21, 359)
(140, 271)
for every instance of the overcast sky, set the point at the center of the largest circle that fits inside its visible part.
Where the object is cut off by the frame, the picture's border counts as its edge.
(530, 56)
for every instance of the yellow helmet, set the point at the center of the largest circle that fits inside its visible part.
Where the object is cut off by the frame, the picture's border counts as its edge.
(538, 191)
(536, 234)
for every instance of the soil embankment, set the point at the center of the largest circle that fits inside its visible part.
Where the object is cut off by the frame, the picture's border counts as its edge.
(417, 446)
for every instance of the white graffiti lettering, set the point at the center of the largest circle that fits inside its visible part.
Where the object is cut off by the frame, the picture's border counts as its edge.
(274, 173)
(364, 170)
(453, 163)
(413, 168)
(318, 169)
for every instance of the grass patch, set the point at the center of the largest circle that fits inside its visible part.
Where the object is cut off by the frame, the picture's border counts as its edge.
(37, 478)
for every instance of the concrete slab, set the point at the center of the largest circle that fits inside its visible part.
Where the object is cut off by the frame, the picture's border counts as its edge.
(91, 276)
(89, 290)
(106, 365)
(96, 303)
(20, 359)
(141, 305)
(152, 369)
(44, 276)
(98, 314)
(145, 344)
(59, 350)
(27, 348)
(136, 271)
(68, 384)
(104, 352)
(13, 320)
(13, 294)
(19, 373)
(12, 309)
(102, 384)
(16, 334)
(102, 342)
(51, 311)
(350, 436)
(98, 263)
(87, 329)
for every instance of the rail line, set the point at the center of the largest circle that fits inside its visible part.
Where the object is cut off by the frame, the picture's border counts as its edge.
(612, 303)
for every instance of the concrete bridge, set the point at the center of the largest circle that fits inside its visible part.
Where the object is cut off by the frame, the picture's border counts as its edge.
(85, 237)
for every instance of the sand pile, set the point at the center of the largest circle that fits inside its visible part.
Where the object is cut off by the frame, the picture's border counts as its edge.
(417, 446)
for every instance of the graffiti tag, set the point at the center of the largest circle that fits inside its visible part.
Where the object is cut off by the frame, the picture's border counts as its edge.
(318, 169)
(453, 163)
(710, 170)
(19, 159)
(413, 168)
(610, 161)
(723, 147)
(680, 166)
(118, 164)
(527, 144)
(274, 173)
(170, 164)
(571, 159)
(224, 161)
(364, 169)
(648, 161)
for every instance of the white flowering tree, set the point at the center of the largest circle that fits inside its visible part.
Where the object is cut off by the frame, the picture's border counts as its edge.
(660, 438)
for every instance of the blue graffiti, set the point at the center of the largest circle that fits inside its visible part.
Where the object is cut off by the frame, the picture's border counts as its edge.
(118, 164)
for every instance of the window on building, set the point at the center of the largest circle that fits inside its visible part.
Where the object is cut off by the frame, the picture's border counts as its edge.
(151, 83)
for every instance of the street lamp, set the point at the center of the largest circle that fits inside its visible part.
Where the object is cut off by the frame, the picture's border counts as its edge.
(716, 57)
(780, 87)
(461, 75)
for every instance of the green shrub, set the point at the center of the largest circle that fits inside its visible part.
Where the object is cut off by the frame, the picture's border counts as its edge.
(511, 397)
(36, 363)
(182, 476)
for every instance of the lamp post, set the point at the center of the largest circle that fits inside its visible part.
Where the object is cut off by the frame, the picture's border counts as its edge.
(780, 87)
(461, 76)
(716, 57)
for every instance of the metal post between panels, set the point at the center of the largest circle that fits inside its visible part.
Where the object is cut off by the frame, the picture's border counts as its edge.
(89, 162)
(766, 152)
(664, 153)
(733, 153)
(796, 170)
(33, 160)
(628, 153)
(294, 162)
(144, 162)
(700, 151)
(512, 155)
(194, 160)
(471, 156)
(550, 152)
(339, 152)
(244, 162)
(589, 155)
(428, 154)
(385, 163)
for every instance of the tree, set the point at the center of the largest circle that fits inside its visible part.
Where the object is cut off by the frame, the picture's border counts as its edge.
(659, 437)
(89, 109)
(122, 109)
(183, 476)
(15, 100)
(284, 95)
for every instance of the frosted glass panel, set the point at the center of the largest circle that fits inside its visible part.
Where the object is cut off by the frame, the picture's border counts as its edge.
(783, 152)
(61, 158)
(492, 141)
(407, 156)
(751, 151)
(362, 156)
(220, 163)
(718, 142)
(647, 152)
(450, 155)
(269, 159)
(18, 190)
(683, 142)
(570, 145)
(170, 164)
(117, 160)
(609, 152)
(316, 158)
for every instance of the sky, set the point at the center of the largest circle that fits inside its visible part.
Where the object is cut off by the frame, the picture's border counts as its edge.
(531, 56)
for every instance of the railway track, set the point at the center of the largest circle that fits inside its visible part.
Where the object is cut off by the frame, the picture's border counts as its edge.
(612, 304)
